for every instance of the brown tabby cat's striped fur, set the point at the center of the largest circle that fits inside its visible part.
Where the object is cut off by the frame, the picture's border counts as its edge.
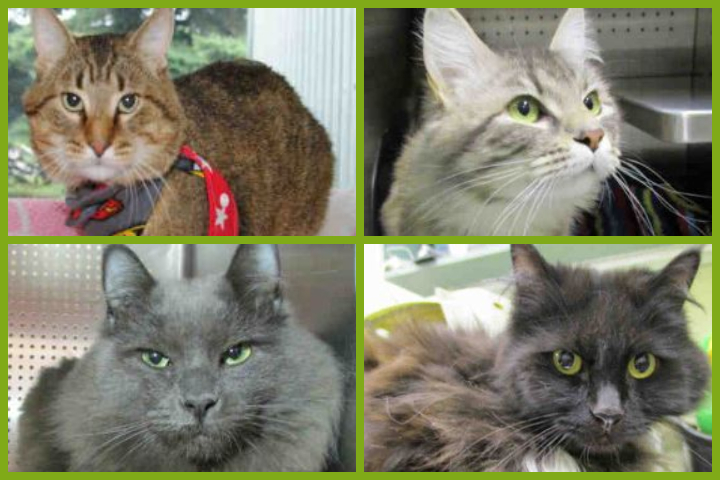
(241, 116)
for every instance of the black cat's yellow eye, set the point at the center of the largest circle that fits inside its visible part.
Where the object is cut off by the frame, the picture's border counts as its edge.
(236, 355)
(567, 362)
(592, 102)
(128, 103)
(155, 359)
(642, 366)
(524, 109)
(72, 102)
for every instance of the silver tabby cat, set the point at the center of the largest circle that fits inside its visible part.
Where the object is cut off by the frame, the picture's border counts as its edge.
(511, 144)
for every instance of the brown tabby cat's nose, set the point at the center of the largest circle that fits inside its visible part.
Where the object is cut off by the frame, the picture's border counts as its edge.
(99, 147)
(591, 138)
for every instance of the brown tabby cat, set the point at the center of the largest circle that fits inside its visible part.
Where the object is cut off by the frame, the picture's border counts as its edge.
(104, 110)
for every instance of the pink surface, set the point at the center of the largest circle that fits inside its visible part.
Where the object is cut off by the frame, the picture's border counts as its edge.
(37, 217)
(28, 216)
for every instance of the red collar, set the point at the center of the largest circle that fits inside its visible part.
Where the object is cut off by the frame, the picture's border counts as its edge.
(120, 211)
(222, 209)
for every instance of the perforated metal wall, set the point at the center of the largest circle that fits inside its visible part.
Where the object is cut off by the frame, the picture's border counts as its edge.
(634, 41)
(55, 304)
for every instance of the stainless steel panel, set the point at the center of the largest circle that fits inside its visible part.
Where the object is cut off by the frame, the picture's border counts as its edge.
(55, 304)
(677, 110)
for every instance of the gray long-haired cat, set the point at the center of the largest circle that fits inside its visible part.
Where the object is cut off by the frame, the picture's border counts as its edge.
(585, 378)
(210, 374)
(511, 144)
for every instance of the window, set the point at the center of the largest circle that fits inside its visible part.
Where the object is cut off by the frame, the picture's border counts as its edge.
(202, 36)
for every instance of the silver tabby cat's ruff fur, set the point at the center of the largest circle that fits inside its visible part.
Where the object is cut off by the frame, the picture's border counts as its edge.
(210, 374)
(511, 144)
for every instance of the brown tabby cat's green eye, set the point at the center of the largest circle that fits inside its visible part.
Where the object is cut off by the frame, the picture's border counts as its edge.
(642, 366)
(592, 102)
(567, 362)
(524, 109)
(128, 103)
(72, 102)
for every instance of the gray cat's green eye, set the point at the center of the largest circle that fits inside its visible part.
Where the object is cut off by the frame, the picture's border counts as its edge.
(72, 102)
(128, 103)
(237, 355)
(592, 102)
(155, 359)
(567, 362)
(642, 366)
(524, 109)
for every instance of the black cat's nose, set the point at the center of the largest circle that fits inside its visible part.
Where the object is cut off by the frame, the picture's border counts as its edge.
(199, 406)
(591, 138)
(608, 419)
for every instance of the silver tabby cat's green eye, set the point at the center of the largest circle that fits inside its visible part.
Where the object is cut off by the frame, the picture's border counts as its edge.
(72, 102)
(524, 109)
(237, 355)
(592, 103)
(128, 103)
(155, 359)
(567, 362)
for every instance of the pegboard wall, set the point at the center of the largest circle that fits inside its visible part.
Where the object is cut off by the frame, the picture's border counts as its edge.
(54, 305)
(634, 41)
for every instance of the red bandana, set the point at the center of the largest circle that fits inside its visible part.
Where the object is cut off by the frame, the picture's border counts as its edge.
(221, 202)
(120, 211)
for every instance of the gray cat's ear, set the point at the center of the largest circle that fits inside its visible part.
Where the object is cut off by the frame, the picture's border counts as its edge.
(256, 268)
(152, 40)
(528, 264)
(52, 39)
(680, 273)
(126, 281)
(455, 57)
(574, 39)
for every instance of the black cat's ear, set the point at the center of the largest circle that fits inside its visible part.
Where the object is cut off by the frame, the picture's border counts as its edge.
(52, 39)
(125, 280)
(528, 264)
(680, 273)
(152, 40)
(255, 268)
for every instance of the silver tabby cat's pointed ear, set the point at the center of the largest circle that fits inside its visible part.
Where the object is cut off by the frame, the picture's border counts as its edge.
(52, 39)
(256, 268)
(455, 57)
(125, 279)
(528, 264)
(574, 39)
(153, 39)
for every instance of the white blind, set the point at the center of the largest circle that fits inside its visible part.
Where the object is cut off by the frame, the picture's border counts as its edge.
(314, 48)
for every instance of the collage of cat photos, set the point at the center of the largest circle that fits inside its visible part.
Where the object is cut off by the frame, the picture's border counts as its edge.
(538, 122)
(181, 358)
(545, 358)
(181, 122)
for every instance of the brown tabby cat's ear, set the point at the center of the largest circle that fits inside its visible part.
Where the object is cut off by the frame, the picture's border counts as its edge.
(152, 40)
(52, 39)
(528, 264)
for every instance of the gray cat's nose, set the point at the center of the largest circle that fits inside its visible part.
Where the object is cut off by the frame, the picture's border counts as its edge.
(608, 419)
(199, 406)
(591, 138)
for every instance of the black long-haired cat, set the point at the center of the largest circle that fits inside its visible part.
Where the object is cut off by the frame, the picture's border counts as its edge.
(589, 368)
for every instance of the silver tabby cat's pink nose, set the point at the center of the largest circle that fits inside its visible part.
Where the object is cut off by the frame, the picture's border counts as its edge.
(591, 138)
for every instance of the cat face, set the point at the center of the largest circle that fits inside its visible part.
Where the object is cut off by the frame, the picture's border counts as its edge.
(195, 363)
(595, 359)
(103, 108)
(541, 123)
